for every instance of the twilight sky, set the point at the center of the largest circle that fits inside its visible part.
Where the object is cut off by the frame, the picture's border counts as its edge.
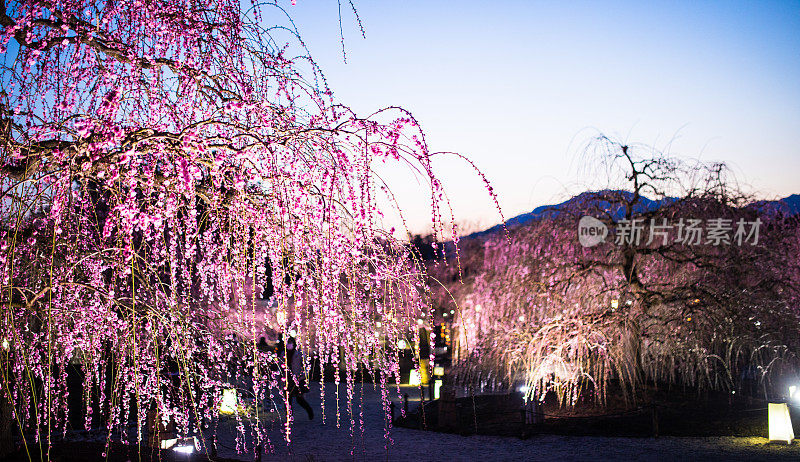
(521, 86)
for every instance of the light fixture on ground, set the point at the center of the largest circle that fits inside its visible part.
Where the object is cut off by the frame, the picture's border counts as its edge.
(183, 445)
(414, 378)
(780, 423)
(229, 402)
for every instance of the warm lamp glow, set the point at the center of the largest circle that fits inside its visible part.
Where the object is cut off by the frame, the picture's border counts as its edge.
(185, 449)
(438, 371)
(780, 423)
(414, 378)
(229, 401)
(168, 443)
(182, 445)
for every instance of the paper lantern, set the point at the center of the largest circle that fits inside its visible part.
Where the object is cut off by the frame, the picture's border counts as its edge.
(414, 378)
(182, 445)
(780, 423)
(437, 385)
(229, 401)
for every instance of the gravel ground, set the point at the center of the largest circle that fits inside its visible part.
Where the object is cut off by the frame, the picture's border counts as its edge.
(311, 440)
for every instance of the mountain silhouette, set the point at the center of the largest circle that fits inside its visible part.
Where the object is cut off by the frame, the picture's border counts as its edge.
(789, 206)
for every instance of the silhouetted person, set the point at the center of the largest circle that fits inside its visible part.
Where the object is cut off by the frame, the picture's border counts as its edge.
(296, 384)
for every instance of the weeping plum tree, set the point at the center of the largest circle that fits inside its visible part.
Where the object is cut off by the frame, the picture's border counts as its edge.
(173, 182)
(665, 301)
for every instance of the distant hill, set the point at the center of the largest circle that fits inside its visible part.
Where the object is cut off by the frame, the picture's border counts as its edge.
(788, 206)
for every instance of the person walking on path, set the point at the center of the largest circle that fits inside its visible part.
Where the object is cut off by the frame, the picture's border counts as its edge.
(296, 384)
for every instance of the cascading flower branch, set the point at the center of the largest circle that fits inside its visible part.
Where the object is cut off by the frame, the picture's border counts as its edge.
(171, 186)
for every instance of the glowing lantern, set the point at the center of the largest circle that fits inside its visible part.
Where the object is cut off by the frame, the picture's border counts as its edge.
(436, 386)
(780, 423)
(229, 401)
(438, 371)
(614, 304)
(414, 378)
(168, 443)
(182, 445)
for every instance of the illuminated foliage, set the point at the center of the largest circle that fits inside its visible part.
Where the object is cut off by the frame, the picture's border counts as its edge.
(539, 309)
(174, 183)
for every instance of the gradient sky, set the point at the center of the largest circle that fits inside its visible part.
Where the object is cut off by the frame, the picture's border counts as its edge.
(520, 87)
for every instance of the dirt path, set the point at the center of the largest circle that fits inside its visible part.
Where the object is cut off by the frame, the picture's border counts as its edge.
(311, 440)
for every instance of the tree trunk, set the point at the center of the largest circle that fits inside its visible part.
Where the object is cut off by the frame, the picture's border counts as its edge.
(6, 422)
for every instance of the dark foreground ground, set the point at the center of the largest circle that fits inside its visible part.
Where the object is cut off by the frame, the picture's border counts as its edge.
(315, 441)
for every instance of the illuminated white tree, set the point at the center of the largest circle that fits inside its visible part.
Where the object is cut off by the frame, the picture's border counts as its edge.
(538, 307)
